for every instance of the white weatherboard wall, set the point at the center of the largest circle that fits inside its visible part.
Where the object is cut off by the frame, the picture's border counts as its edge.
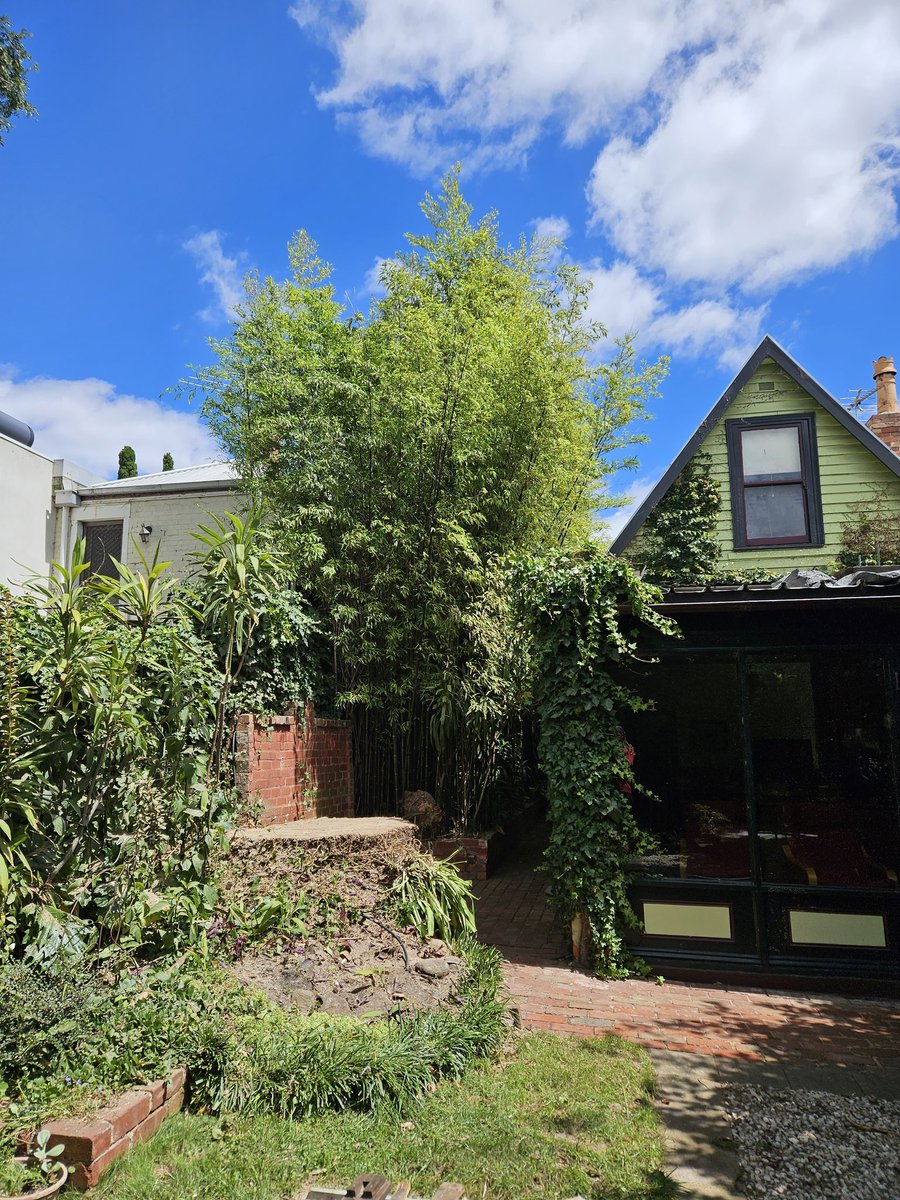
(27, 529)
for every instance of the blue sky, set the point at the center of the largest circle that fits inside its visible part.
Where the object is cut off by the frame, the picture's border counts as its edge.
(720, 169)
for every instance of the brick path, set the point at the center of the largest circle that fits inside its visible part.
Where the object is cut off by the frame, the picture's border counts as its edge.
(773, 1026)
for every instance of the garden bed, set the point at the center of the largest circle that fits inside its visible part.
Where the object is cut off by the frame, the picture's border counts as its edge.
(364, 973)
(348, 956)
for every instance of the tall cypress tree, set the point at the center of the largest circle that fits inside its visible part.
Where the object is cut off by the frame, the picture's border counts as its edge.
(127, 463)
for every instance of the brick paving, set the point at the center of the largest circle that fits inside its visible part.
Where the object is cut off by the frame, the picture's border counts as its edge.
(751, 1023)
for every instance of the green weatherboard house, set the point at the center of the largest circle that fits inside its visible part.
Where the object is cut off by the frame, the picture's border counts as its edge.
(771, 760)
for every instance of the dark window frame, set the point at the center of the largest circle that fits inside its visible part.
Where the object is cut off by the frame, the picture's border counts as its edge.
(805, 423)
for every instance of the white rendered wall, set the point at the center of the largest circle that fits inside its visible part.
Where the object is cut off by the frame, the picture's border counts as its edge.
(26, 505)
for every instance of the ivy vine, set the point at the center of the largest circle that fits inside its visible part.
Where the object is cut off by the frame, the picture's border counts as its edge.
(574, 605)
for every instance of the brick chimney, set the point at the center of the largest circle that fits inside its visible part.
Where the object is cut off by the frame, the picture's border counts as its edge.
(885, 424)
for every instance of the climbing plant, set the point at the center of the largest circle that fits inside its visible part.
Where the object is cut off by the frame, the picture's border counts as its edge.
(573, 605)
(680, 543)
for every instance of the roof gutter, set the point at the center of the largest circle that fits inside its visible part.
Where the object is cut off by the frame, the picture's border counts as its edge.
(160, 489)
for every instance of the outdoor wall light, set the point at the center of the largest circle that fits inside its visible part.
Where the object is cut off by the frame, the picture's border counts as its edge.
(146, 530)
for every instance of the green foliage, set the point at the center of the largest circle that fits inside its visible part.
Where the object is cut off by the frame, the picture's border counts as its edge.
(430, 895)
(70, 1036)
(237, 577)
(15, 63)
(270, 1062)
(572, 603)
(405, 455)
(680, 542)
(871, 533)
(286, 662)
(557, 1117)
(127, 463)
(168, 462)
(113, 791)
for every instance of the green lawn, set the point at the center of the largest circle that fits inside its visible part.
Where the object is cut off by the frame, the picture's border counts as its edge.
(561, 1117)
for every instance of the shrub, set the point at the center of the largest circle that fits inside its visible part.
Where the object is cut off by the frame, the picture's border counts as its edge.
(430, 895)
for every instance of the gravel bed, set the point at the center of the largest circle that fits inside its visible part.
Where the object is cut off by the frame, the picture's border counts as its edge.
(796, 1145)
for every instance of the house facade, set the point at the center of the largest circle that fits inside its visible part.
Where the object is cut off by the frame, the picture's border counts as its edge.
(769, 766)
(52, 502)
(125, 518)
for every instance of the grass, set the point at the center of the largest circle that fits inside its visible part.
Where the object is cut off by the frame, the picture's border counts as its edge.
(560, 1117)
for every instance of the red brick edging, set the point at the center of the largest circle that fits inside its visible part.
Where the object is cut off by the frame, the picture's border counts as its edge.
(92, 1144)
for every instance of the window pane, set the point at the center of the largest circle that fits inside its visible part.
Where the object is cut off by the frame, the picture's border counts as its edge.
(771, 454)
(823, 774)
(775, 512)
(688, 757)
(103, 541)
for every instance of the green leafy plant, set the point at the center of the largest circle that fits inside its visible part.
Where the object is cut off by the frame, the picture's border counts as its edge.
(871, 534)
(430, 895)
(574, 605)
(680, 543)
(115, 783)
(271, 1062)
(127, 463)
(405, 455)
(15, 63)
(236, 577)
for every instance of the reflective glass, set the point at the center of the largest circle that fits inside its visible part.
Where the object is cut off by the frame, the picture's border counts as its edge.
(775, 512)
(771, 454)
(823, 774)
(688, 758)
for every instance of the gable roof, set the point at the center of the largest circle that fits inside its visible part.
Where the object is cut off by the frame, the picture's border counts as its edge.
(767, 348)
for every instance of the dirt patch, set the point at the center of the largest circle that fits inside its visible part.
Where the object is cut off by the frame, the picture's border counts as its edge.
(351, 958)
(353, 870)
(359, 974)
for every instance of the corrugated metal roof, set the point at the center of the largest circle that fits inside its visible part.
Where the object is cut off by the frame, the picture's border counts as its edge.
(799, 580)
(209, 477)
(869, 583)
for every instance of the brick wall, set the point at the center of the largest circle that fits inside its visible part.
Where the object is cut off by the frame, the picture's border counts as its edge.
(295, 768)
(887, 427)
(92, 1144)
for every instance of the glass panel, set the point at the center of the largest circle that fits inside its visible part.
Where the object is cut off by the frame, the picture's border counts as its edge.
(688, 754)
(771, 454)
(775, 512)
(823, 773)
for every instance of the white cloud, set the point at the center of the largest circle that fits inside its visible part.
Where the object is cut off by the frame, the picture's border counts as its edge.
(637, 491)
(372, 285)
(737, 144)
(621, 299)
(421, 77)
(223, 274)
(87, 421)
(776, 153)
(551, 229)
(626, 302)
